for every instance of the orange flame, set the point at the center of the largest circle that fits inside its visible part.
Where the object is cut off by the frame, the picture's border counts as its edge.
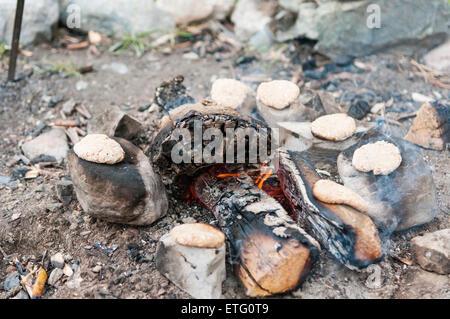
(265, 173)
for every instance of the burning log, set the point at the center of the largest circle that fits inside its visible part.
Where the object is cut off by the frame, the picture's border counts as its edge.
(272, 254)
(230, 131)
(348, 235)
(127, 192)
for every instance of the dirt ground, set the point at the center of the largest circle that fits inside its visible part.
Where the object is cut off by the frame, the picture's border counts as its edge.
(34, 224)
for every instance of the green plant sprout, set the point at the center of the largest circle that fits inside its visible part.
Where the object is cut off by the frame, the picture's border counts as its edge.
(58, 67)
(136, 42)
(141, 42)
(4, 48)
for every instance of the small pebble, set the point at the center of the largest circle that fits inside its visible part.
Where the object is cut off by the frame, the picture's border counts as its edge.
(97, 269)
(57, 260)
(67, 270)
(191, 56)
(55, 276)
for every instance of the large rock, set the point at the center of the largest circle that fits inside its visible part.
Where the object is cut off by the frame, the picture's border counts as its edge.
(129, 192)
(432, 251)
(431, 127)
(403, 199)
(343, 28)
(251, 16)
(187, 11)
(439, 58)
(199, 271)
(52, 143)
(117, 17)
(39, 18)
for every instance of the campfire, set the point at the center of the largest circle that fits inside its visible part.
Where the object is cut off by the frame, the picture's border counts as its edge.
(280, 192)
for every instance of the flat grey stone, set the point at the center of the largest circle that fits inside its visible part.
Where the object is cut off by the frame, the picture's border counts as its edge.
(51, 143)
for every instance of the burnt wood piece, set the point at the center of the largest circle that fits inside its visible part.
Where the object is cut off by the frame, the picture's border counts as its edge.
(210, 115)
(359, 109)
(272, 254)
(114, 122)
(348, 235)
(171, 94)
(129, 192)
(403, 199)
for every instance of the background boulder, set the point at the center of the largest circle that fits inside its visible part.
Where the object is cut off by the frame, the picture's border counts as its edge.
(117, 17)
(187, 11)
(344, 27)
(39, 18)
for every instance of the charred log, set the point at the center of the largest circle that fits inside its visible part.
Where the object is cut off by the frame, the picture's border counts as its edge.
(348, 235)
(272, 254)
(207, 115)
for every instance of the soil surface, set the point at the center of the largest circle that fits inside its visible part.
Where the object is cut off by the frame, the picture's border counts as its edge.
(35, 225)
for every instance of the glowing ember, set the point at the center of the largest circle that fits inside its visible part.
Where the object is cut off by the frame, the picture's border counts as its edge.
(228, 175)
(263, 174)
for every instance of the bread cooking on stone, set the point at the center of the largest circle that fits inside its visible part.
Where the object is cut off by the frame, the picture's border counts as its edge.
(198, 235)
(380, 157)
(99, 148)
(334, 127)
(277, 94)
(229, 92)
(333, 193)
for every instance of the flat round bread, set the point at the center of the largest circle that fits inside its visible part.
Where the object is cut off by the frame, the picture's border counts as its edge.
(229, 92)
(99, 148)
(198, 235)
(277, 94)
(380, 157)
(333, 193)
(334, 127)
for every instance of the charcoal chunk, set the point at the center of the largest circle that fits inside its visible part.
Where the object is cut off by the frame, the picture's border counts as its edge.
(359, 109)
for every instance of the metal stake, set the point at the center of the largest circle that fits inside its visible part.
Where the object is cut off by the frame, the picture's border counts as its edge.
(15, 40)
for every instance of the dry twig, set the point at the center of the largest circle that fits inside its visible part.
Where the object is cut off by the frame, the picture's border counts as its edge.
(432, 76)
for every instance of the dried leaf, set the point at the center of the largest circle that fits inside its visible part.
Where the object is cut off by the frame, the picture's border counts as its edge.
(38, 286)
